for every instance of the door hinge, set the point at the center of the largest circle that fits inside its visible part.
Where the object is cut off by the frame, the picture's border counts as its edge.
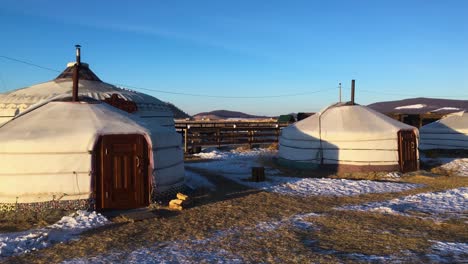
(106, 151)
(107, 195)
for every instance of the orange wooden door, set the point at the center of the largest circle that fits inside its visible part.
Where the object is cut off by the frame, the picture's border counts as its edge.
(124, 172)
(407, 151)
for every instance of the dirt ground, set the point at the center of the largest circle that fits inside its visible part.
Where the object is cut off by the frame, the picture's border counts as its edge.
(232, 206)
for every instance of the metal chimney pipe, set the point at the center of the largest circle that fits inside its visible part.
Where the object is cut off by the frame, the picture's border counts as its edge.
(76, 74)
(352, 91)
(339, 86)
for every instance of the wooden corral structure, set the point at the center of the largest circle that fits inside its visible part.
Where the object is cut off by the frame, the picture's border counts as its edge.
(223, 133)
(416, 120)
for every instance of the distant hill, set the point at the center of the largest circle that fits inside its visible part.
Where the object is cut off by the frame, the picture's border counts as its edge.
(178, 113)
(226, 114)
(420, 105)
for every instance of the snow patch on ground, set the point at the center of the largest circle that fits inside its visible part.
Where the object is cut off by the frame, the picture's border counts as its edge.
(337, 187)
(206, 250)
(458, 166)
(450, 203)
(236, 163)
(213, 153)
(440, 252)
(449, 252)
(64, 230)
(237, 166)
(415, 106)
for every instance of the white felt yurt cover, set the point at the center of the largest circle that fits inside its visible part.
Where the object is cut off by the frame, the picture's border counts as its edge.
(46, 153)
(17, 101)
(343, 134)
(450, 132)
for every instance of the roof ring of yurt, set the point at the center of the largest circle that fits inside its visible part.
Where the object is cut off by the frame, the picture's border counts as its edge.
(141, 104)
(347, 137)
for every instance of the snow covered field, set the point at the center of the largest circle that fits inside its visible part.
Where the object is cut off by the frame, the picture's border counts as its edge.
(68, 228)
(236, 165)
(450, 203)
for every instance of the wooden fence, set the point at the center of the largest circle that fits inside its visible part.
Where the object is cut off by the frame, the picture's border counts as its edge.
(222, 133)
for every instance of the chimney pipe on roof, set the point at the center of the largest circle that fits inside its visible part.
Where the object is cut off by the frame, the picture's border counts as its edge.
(76, 74)
(352, 91)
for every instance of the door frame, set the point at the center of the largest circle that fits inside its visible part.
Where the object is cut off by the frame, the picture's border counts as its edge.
(401, 153)
(98, 169)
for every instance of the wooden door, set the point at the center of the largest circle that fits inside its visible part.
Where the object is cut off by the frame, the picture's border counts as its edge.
(124, 179)
(407, 151)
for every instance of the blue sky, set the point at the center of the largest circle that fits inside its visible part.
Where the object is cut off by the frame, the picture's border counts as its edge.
(394, 49)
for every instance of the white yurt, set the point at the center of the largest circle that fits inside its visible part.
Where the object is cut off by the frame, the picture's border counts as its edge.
(449, 133)
(143, 105)
(347, 137)
(86, 154)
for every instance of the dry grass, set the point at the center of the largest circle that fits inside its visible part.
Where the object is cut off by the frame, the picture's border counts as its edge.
(437, 183)
(13, 221)
(380, 234)
(232, 206)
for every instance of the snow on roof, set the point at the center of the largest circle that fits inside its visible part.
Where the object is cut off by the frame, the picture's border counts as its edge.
(447, 108)
(415, 106)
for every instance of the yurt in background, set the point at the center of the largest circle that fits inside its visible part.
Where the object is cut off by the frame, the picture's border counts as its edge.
(347, 137)
(350, 138)
(84, 154)
(447, 134)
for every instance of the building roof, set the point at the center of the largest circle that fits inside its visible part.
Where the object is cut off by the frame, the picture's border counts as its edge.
(420, 105)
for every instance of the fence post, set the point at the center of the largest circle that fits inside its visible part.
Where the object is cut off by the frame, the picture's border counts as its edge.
(185, 140)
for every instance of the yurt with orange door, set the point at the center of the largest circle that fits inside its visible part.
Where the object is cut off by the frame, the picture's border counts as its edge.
(81, 143)
(86, 154)
(347, 137)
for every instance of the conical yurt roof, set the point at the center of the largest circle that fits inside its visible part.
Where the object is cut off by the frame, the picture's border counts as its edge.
(454, 123)
(58, 126)
(345, 122)
(450, 132)
(47, 151)
(89, 85)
